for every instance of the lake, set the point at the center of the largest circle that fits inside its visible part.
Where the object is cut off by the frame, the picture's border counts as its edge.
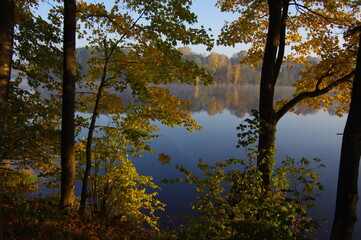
(220, 109)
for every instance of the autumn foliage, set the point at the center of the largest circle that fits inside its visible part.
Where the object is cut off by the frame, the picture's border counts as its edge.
(117, 99)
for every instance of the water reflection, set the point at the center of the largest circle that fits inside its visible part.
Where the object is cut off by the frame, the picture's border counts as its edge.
(238, 100)
(309, 136)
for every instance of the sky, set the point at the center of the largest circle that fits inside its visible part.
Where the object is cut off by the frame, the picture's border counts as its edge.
(211, 17)
(208, 15)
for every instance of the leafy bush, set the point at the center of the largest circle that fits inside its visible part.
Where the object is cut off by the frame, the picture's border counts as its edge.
(118, 193)
(233, 205)
(121, 194)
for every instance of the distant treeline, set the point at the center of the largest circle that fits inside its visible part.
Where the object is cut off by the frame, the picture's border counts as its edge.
(225, 70)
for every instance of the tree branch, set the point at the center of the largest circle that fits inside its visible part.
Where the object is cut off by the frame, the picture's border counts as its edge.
(317, 92)
(320, 79)
(308, 9)
(85, 93)
(329, 72)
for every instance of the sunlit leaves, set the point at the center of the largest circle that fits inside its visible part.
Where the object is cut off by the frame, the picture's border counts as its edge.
(317, 28)
(142, 21)
(117, 191)
(315, 19)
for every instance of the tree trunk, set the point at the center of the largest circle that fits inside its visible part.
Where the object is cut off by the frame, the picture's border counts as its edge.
(68, 107)
(266, 155)
(347, 189)
(6, 51)
(88, 149)
(266, 144)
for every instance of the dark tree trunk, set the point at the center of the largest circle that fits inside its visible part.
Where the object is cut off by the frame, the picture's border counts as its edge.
(6, 51)
(68, 107)
(266, 155)
(347, 189)
(266, 144)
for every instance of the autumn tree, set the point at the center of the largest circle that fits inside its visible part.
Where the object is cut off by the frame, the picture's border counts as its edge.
(68, 107)
(140, 54)
(274, 28)
(347, 189)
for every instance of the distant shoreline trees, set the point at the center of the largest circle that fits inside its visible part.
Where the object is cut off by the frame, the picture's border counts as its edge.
(225, 70)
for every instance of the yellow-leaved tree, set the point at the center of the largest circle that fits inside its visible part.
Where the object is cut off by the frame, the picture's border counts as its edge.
(132, 46)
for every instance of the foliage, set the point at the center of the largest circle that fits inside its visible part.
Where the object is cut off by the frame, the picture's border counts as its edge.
(233, 204)
(15, 181)
(132, 48)
(117, 191)
(30, 135)
(38, 58)
(317, 28)
(141, 47)
(121, 193)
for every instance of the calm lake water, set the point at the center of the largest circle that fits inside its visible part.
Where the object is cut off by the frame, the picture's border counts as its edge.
(220, 110)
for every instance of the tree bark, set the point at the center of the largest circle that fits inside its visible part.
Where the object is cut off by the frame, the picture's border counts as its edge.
(68, 107)
(7, 23)
(266, 152)
(347, 190)
(266, 142)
